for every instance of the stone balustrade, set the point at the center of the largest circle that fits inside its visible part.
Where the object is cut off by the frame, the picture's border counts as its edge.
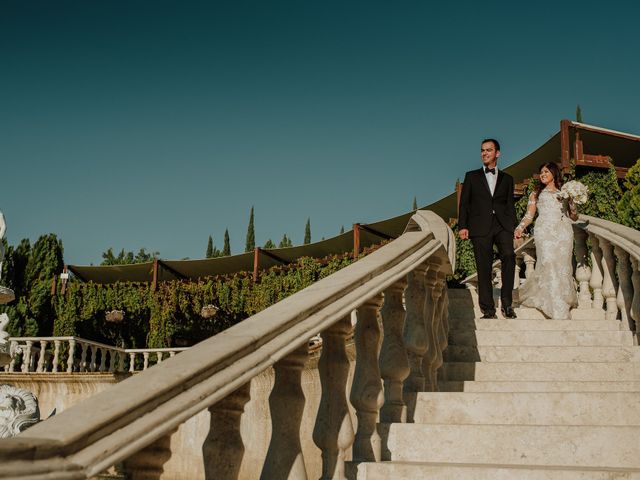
(132, 421)
(78, 355)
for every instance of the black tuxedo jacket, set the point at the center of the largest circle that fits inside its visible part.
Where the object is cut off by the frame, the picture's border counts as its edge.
(477, 205)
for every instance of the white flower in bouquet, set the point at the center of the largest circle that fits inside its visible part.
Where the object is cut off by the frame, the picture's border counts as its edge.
(576, 191)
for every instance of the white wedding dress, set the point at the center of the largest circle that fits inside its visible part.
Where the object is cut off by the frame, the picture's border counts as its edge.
(551, 287)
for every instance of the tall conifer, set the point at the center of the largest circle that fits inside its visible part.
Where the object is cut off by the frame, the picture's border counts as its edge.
(226, 249)
(307, 232)
(209, 253)
(250, 243)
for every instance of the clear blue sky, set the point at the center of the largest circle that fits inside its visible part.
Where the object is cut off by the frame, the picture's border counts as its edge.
(155, 124)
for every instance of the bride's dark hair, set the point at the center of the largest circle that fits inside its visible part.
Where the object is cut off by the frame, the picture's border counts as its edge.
(557, 178)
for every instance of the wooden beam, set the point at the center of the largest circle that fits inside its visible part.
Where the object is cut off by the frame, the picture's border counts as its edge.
(172, 270)
(356, 240)
(256, 263)
(376, 232)
(565, 154)
(154, 282)
(274, 256)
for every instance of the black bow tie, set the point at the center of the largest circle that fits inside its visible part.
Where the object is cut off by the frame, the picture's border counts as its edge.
(489, 170)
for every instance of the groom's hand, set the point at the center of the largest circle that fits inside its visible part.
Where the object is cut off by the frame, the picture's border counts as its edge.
(463, 234)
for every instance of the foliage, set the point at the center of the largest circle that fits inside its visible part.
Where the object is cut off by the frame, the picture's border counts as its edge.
(604, 194)
(465, 260)
(171, 314)
(212, 250)
(285, 242)
(29, 272)
(127, 258)
(250, 243)
(578, 114)
(269, 244)
(521, 204)
(628, 207)
(307, 232)
(226, 249)
(414, 206)
(341, 229)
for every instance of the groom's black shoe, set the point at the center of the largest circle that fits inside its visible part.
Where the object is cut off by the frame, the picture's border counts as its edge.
(508, 312)
(487, 315)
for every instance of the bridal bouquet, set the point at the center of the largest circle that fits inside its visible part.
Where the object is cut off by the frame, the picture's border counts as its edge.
(576, 191)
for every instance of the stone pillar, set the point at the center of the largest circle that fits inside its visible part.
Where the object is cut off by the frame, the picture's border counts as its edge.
(71, 357)
(609, 287)
(148, 463)
(529, 262)
(442, 330)
(432, 294)
(284, 458)
(223, 449)
(366, 392)
(56, 356)
(595, 282)
(635, 304)
(583, 271)
(26, 356)
(624, 298)
(42, 357)
(394, 362)
(415, 334)
(333, 431)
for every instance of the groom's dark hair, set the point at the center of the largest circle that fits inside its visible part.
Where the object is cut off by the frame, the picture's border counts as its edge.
(495, 142)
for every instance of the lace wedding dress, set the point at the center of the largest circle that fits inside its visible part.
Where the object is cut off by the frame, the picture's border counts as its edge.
(551, 288)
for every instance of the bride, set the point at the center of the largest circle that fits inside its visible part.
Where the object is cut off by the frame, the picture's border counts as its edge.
(550, 288)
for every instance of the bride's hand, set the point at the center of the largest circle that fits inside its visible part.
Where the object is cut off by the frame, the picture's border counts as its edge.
(517, 233)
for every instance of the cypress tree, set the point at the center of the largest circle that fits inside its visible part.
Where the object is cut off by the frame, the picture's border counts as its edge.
(226, 249)
(341, 229)
(209, 253)
(285, 242)
(415, 204)
(250, 243)
(578, 114)
(307, 232)
(269, 244)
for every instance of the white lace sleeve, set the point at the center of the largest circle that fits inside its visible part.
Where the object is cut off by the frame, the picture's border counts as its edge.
(530, 213)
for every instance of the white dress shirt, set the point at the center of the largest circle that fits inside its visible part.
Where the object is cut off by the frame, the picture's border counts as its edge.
(492, 179)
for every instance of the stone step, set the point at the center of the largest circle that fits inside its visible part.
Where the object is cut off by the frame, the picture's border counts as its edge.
(541, 338)
(524, 386)
(435, 471)
(536, 325)
(540, 372)
(564, 446)
(462, 312)
(485, 353)
(485, 408)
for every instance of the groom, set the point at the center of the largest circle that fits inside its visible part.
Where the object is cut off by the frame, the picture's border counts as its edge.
(487, 216)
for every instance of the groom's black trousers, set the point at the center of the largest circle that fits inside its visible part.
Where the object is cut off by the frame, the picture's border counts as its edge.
(483, 251)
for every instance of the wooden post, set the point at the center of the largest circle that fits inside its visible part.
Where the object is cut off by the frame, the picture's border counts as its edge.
(356, 240)
(154, 284)
(256, 263)
(458, 196)
(565, 154)
(63, 288)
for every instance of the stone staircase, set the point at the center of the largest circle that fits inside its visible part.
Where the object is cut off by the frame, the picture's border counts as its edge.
(529, 398)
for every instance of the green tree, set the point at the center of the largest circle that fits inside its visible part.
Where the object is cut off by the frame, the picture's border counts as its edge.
(341, 229)
(628, 207)
(209, 253)
(127, 258)
(285, 242)
(226, 249)
(307, 232)
(604, 194)
(269, 244)
(578, 114)
(414, 207)
(250, 243)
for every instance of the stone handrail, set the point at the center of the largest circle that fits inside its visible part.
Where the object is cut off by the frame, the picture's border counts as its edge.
(133, 420)
(78, 355)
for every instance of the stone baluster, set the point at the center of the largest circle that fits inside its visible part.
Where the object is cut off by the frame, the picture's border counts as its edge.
(71, 357)
(148, 463)
(583, 271)
(83, 357)
(625, 289)
(93, 365)
(609, 287)
(145, 364)
(159, 357)
(333, 432)
(122, 358)
(366, 392)
(415, 336)
(56, 356)
(284, 458)
(26, 356)
(635, 304)
(14, 352)
(431, 321)
(394, 362)
(442, 316)
(595, 282)
(529, 262)
(42, 357)
(132, 362)
(103, 360)
(113, 360)
(223, 448)
(172, 354)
